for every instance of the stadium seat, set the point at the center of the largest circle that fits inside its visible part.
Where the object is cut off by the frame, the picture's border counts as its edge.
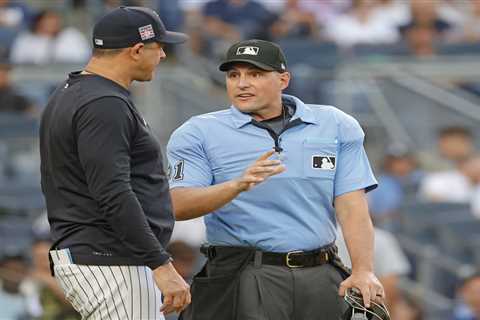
(17, 126)
(458, 49)
(423, 220)
(316, 54)
(374, 51)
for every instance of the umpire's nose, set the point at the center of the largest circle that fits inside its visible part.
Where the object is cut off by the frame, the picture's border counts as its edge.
(243, 81)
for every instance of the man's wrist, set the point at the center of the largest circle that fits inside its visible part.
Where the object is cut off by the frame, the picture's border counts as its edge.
(166, 265)
(362, 269)
(237, 186)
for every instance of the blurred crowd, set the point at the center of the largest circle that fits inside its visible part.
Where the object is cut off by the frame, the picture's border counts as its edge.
(46, 32)
(37, 33)
(58, 32)
(417, 24)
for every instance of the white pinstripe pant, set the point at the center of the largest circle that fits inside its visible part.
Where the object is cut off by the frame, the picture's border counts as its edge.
(108, 292)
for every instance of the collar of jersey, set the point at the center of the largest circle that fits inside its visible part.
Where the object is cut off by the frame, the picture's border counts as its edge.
(304, 112)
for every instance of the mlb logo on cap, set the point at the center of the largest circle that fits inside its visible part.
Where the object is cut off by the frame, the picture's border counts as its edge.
(253, 51)
(146, 32)
(260, 53)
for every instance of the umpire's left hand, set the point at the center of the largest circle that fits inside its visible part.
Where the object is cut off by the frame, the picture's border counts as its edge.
(367, 283)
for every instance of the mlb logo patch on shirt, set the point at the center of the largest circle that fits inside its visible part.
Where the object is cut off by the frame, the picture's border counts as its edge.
(323, 162)
(253, 51)
(146, 32)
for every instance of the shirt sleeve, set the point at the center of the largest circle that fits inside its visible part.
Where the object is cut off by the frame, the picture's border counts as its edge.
(353, 168)
(104, 130)
(189, 165)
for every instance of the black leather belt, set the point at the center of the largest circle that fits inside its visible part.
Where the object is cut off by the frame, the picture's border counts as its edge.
(292, 259)
(296, 259)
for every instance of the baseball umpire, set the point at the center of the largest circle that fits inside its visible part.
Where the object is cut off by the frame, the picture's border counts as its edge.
(107, 196)
(272, 175)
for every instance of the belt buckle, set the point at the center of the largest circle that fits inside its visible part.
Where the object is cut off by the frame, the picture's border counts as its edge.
(288, 259)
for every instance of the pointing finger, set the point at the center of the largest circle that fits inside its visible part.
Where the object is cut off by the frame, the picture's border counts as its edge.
(266, 155)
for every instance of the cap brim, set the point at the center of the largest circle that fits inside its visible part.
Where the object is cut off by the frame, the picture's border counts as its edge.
(225, 66)
(173, 37)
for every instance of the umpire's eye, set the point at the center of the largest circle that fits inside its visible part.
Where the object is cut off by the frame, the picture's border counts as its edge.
(256, 74)
(232, 76)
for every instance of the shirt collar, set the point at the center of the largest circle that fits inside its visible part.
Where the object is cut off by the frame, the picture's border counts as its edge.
(304, 112)
(77, 75)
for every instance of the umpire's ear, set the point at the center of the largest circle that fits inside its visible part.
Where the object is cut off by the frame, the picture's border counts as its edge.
(284, 79)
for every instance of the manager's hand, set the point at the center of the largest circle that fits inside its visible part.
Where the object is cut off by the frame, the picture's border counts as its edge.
(175, 291)
(259, 170)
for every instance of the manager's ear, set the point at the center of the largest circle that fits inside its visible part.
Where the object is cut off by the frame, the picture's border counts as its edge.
(136, 51)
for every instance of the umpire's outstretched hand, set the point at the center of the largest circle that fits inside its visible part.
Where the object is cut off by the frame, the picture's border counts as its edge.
(259, 170)
(175, 291)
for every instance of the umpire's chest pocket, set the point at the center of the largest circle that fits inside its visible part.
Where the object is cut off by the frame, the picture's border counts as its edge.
(320, 158)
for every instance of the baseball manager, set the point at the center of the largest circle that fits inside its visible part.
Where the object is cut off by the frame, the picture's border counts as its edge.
(107, 195)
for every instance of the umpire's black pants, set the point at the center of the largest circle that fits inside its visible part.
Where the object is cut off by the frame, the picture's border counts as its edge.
(233, 287)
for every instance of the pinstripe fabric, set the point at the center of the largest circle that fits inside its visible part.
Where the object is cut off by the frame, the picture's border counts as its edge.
(108, 292)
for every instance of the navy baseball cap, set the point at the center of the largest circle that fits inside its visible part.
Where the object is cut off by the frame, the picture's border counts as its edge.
(124, 27)
(262, 54)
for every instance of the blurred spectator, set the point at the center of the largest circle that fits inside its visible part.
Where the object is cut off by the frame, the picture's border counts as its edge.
(468, 307)
(184, 257)
(170, 13)
(173, 17)
(44, 289)
(424, 28)
(425, 14)
(469, 30)
(14, 16)
(390, 263)
(326, 11)
(14, 303)
(421, 40)
(112, 4)
(361, 25)
(228, 21)
(455, 144)
(407, 308)
(398, 182)
(98, 8)
(10, 100)
(48, 42)
(472, 171)
(394, 12)
(193, 25)
(193, 5)
(453, 11)
(297, 20)
(51, 298)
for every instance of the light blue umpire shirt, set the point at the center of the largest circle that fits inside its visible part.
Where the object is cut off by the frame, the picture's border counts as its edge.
(324, 158)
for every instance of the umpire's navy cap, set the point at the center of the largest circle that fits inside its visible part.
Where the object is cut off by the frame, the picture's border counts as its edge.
(124, 27)
(262, 54)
